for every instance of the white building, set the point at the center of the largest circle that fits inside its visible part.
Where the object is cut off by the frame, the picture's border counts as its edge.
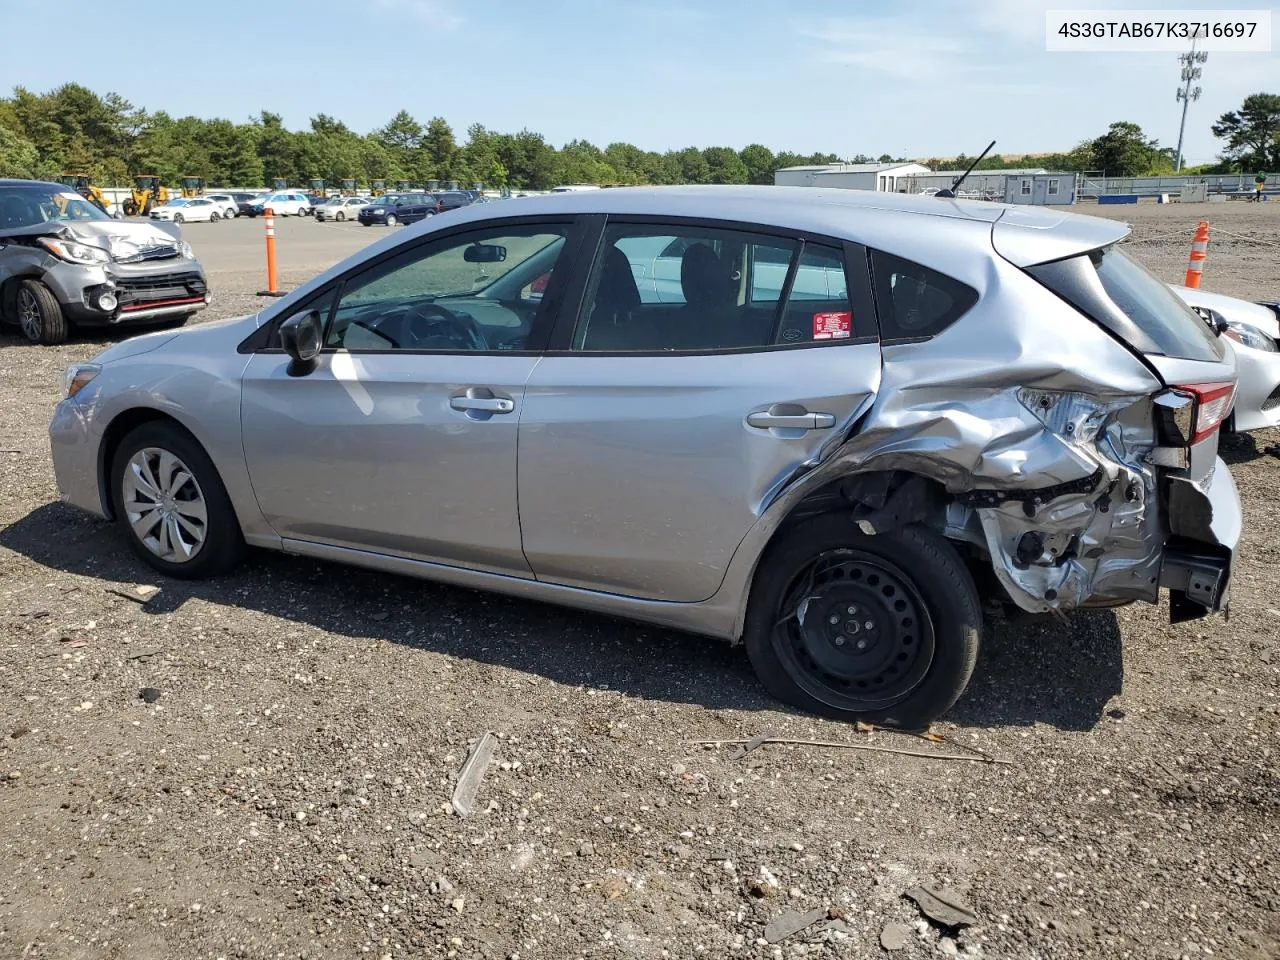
(850, 176)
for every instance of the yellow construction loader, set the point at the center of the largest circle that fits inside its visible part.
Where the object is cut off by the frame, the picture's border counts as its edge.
(348, 187)
(147, 192)
(82, 184)
(379, 188)
(193, 186)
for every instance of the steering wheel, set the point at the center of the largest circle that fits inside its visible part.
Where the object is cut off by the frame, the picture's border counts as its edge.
(428, 320)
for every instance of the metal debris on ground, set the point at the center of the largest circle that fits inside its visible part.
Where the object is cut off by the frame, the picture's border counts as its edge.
(791, 923)
(742, 749)
(472, 772)
(139, 654)
(148, 694)
(974, 758)
(142, 593)
(942, 906)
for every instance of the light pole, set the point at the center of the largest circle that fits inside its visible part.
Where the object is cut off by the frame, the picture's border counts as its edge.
(1187, 93)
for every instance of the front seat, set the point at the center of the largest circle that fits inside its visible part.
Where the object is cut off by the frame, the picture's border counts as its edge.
(709, 316)
(611, 325)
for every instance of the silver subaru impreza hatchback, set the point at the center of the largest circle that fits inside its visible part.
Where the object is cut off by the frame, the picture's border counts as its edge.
(832, 425)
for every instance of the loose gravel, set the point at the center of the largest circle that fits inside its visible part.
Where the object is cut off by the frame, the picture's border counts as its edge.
(262, 766)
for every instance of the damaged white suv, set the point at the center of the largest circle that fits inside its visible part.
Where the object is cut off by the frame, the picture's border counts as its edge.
(829, 424)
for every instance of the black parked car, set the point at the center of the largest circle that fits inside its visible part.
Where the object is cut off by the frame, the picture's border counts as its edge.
(315, 200)
(243, 201)
(400, 208)
(453, 199)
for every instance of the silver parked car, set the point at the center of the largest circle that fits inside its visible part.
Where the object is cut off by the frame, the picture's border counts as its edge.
(65, 263)
(939, 404)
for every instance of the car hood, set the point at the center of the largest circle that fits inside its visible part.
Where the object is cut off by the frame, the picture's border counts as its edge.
(1233, 309)
(121, 238)
(231, 330)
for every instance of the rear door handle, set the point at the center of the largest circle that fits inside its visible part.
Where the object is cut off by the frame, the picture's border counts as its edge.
(768, 420)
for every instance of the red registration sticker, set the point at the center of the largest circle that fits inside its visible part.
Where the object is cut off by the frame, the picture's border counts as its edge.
(832, 326)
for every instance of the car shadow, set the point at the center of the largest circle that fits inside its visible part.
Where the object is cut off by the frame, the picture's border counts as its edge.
(1238, 448)
(1049, 673)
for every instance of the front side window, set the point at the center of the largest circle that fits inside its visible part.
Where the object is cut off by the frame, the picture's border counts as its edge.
(464, 293)
(695, 288)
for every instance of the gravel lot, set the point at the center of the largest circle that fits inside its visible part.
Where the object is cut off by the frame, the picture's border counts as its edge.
(287, 794)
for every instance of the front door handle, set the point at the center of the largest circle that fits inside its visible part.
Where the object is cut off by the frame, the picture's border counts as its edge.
(769, 420)
(481, 400)
(486, 404)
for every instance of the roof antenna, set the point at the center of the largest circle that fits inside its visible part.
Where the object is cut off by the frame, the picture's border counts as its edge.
(951, 193)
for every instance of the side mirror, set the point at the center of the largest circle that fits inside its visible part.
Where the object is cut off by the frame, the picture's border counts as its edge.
(300, 336)
(484, 253)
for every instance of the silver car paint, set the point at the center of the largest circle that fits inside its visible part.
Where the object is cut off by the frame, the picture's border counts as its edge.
(962, 408)
(1259, 370)
(376, 458)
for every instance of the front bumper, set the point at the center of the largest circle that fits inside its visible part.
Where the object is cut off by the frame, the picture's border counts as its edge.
(74, 445)
(1205, 522)
(1257, 405)
(143, 293)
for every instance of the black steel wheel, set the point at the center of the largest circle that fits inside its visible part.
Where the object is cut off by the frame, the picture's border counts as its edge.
(880, 628)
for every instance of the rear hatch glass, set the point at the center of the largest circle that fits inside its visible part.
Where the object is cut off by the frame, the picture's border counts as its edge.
(1132, 303)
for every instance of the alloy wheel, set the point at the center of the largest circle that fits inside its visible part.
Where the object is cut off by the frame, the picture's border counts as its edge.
(164, 504)
(29, 319)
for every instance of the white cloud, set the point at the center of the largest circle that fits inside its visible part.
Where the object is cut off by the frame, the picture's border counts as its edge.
(893, 47)
(436, 13)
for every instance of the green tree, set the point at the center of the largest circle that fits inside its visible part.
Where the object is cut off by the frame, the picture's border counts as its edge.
(440, 151)
(724, 165)
(760, 163)
(1125, 151)
(691, 166)
(1252, 133)
(18, 155)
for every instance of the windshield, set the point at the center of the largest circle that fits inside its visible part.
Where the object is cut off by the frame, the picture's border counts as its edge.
(26, 206)
(176, 202)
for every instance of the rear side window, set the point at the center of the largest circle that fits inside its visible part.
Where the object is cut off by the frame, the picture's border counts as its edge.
(913, 301)
(1131, 303)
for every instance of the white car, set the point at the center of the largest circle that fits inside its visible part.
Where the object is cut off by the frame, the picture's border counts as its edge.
(228, 209)
(1254, 332)
(341, 208)
(284, 204)
(187, 210)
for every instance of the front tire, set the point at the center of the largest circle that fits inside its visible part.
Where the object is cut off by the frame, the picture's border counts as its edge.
(391, 220)
(879, 628)
(40, 316)
(340, 216)
(170, 503)
(178, 218)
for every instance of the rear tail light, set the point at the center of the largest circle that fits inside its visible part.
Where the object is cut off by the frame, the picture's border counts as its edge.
(1193, 411)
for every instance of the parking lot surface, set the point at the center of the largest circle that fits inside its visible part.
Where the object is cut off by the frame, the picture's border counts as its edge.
(282, 787)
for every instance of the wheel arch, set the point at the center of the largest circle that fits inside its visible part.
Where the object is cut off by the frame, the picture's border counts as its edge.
(120, 427)
(9, 289)
(872, 501)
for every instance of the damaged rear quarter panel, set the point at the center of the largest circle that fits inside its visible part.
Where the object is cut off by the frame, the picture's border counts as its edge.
(1021, 393)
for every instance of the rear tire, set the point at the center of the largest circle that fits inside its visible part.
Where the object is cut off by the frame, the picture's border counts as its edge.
(214, 217)
(907, 630)
(39, 315)
(220, 546)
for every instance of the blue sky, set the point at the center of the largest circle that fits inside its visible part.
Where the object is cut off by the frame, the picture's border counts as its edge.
(921, 78)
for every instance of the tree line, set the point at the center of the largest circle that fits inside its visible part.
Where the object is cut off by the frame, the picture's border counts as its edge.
(74, 130)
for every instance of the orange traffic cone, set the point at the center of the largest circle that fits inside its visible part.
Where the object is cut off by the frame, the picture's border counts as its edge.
(1199, 252)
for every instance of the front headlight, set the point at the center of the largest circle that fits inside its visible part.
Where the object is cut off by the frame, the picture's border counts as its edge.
(1249, 336)
(78, 376)
(377, 210)
(187, 251)
(73, 252)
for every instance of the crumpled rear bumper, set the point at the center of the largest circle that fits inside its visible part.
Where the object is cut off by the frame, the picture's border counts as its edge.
(1205, 524)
